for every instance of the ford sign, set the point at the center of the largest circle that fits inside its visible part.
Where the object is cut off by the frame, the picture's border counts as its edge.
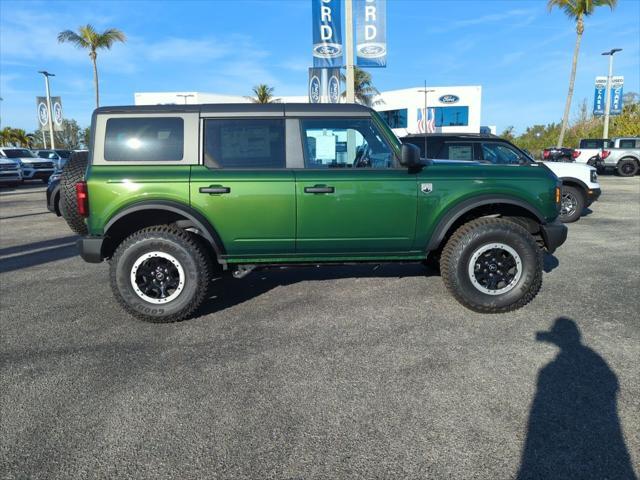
(449, 99)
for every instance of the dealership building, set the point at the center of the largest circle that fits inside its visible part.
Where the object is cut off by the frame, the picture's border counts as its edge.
(449, 109)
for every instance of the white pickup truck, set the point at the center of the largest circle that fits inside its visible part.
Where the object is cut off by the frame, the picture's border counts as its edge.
(589, 150)
(623, 154)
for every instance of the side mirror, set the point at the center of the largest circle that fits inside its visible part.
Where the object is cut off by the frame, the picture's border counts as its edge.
(410, 156)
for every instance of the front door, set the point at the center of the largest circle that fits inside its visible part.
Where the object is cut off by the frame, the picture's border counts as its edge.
(244, 188)
(352, 195)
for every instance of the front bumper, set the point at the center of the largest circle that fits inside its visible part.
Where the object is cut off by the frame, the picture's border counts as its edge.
(91, 249)
(32, 173)
(10, 176)
(554, 234)
(592, 195)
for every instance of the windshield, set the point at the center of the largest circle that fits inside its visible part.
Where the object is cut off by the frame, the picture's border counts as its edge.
(18, 152)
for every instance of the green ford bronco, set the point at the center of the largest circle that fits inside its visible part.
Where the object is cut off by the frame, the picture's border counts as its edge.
(175, 195)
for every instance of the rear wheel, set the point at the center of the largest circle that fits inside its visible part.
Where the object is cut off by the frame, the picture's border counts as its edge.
(572, 204)
(492, 265)
(160, 274)
(72, 173)
(627, 167)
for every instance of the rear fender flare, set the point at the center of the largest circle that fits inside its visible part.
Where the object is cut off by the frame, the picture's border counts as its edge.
(196, 218)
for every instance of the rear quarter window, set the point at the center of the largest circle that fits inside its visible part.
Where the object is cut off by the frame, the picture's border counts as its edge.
(144, 139)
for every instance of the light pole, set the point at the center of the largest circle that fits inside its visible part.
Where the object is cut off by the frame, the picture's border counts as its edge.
(46, 82)
(607, 98)
(185, 96)
(424, 117)
(348, 21)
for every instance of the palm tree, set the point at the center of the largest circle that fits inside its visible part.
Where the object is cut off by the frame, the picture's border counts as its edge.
(576, 10)
(363, 87)
(263, 94)
(88, 38)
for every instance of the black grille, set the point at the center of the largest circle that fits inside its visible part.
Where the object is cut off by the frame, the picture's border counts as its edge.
(8, 167)
(42, 165)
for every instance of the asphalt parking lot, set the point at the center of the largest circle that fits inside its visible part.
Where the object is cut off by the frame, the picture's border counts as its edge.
(341, 372)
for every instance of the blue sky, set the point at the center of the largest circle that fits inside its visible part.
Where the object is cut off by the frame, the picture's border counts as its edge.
(518, 51)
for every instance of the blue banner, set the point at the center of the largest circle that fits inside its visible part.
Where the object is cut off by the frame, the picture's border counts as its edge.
(371, 33)
(327, 33)
(599, 96)
(617, 84)
(324, 85)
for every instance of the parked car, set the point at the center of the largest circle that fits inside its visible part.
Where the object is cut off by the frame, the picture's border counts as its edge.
(589, 149)
(562, 154)
(580, 187)
(10, 173)
(32, 167)
(173, 192)
(53, 194)
(58, 156)
(622, 154)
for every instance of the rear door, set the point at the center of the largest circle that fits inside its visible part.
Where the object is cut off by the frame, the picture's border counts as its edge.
(243, 187)
(352, 195)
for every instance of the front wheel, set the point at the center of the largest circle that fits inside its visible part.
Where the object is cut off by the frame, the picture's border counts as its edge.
(572, 204)
(492, 265)
(160, 274)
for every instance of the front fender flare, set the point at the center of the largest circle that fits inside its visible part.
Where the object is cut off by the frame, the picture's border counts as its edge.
(458, 210)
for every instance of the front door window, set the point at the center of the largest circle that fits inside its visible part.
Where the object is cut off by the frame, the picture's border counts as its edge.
(348, 143)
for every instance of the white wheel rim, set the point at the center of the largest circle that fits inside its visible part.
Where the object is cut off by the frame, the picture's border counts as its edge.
(138, 288)
(509, 278)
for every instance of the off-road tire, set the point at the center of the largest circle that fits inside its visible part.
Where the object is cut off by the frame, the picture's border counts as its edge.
(578, 197)
(627, 167)
(72, 173)
(467, 239)
(187, 250)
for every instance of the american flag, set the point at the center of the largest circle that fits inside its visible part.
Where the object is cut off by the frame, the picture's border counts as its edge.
(431, 120)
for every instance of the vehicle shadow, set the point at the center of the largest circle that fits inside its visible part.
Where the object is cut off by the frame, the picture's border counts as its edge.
(574, 430)
(37, 253)
(549, 262)
(228, 291)
(586, 212)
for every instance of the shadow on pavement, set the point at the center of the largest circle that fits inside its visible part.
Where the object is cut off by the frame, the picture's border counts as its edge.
(25, 215)
(37, 253)
(228, 292)
(574, 430)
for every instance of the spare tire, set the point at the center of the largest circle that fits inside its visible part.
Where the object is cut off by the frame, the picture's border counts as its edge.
(72, 173)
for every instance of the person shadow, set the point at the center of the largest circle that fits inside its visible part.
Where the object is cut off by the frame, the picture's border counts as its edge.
(574, 430)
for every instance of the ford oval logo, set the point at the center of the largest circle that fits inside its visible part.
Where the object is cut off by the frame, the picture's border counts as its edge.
(449, 99)
(327, 50)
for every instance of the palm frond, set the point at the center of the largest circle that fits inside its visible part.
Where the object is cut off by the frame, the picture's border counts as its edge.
(69, 36)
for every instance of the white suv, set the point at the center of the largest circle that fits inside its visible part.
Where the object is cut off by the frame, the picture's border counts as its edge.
(33, 168)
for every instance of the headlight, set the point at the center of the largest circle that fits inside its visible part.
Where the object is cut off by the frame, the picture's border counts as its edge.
(594, 176)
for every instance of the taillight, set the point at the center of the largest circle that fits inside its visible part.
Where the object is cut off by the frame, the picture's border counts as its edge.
(605, 154)
(82, 199)
(545, 154)
(576, 153)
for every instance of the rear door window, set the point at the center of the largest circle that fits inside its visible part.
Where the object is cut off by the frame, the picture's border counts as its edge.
(457, 151)
(627, 144)
(244, 143)
(144, 139)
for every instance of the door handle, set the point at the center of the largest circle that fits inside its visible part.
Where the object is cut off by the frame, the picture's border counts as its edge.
(215, 190)
(319, 189)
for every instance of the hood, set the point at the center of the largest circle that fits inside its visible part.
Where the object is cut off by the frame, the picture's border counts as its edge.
(563, 169)
(8, 161)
